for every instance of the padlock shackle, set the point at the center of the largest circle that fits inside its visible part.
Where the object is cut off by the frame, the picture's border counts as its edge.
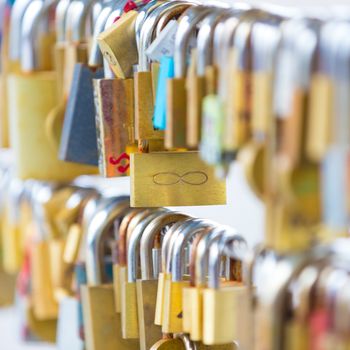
(189, 344)
(148, 237)
(202, 252)
(76, 18)
(109, 210)
(143, 14)
(205, 39)
(148, 30)
(125, 231)
(167, 243)
(18, 11)
(35, 13)
(95, 56)
(178, 248)
(217, 250)
(187, 25)
(134, 245)
(60, 20)
(264, 54)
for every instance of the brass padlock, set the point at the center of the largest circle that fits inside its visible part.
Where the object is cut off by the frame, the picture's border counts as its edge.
(174, 282)
(168, 239)
(172, 175)
(118, 45)
(144, 99)
(29, 136)
(175, 133)
(129, 310)
(196, 83)
(146, 287)
(223, 327)
(102, 324)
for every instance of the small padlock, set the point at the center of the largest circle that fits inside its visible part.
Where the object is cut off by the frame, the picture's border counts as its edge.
(219, 325)
(174, 282)
(175, 133)
(146, 287)
(129, 311)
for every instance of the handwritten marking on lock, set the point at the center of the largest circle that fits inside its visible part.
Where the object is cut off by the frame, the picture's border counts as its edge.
(117, 161)
(194, 178)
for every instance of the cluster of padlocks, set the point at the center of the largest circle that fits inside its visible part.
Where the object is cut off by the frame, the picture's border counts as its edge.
(171, 94)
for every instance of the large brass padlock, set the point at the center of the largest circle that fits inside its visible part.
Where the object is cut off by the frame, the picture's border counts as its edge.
(175, 134)
(173, 175)
(33, 150)
(146, 287)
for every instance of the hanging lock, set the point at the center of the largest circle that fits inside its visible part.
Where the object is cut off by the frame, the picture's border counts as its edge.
(221, 318)
(199, 79)
(144, 94)
(78, 141)
(147, 286)
(129, 312)
(175, 133)
(174, 282)
(101, 323)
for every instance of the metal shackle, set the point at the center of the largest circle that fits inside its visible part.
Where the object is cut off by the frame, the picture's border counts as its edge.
(109, 210)
(134, 245)
(217, 250)
(188, 23)
(187, 231)
(148, 237)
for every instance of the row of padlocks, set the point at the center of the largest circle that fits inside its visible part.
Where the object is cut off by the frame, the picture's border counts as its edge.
(171, 94)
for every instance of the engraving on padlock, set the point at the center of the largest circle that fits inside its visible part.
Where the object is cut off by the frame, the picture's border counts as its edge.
(171, 173)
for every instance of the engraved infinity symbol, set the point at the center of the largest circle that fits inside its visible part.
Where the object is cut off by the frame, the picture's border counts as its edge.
(194, 178)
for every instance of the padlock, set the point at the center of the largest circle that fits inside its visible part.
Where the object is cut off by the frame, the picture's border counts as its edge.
(168, 239)
(144, 100)
(122, 229)
(196, 82)
(175, 133)
(180, 341)
(129, 311)
(174, 282)
(102, 324)
(188, 319)
(80, 113)
(118, 45)
(146, 287)
(179, 178)
(214, 118)
(76, 46)
(192, 296)
(28, 134)
(223, 327)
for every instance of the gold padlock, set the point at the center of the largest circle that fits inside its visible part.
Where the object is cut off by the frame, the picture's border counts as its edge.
(102, 325)
(173, 175)
(175, 133)
(118, 45)
(129, 310)
(219, 326)
(174, 282)
(146, 287)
